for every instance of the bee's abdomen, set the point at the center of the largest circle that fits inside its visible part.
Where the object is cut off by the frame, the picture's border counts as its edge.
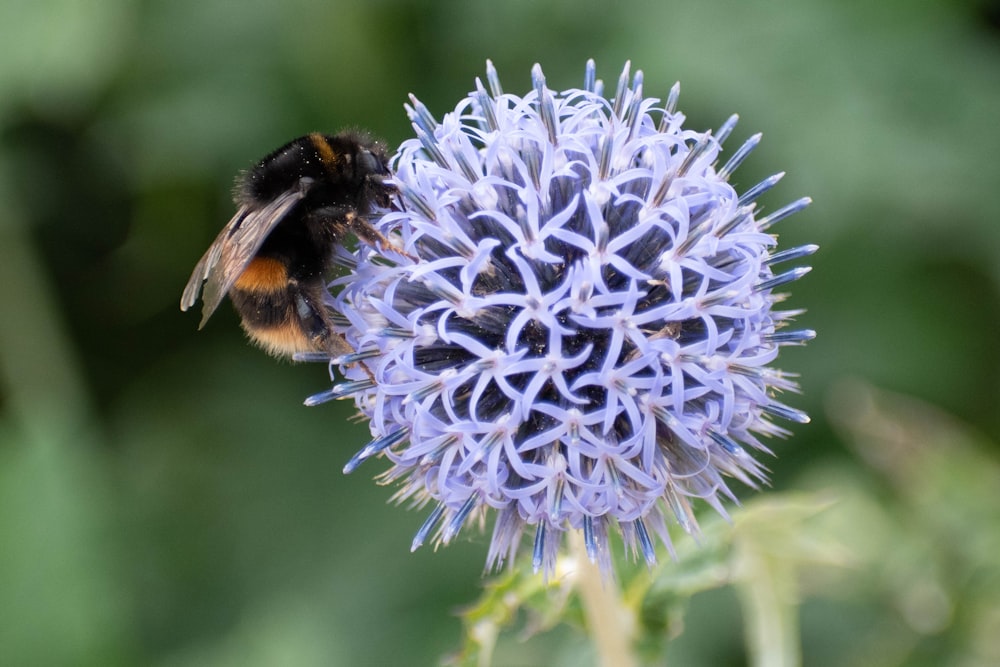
(281, 314)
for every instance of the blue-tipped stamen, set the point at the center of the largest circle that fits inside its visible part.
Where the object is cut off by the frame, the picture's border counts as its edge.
(374, 447)
(312, 357)
(533, 159)
(425, 530)
(765, 223)
(695, 234)
(339, 320)
(756, 191)
(590, 77)
(619, 101)
(741, 216)
(797, 252)
(786, 413)
(452, 527)
(538, 550)
(340, 391)
(588, 538)
(420, 115)
(696, 152)
(433, 148)
(545, 107)
(355, 357)
(669, 108)
(605, 145)
(633, 115)
(416, 201)
(728, 444)
(680, 509)
(726, 129)
(789, 337)
(466, 168)
(493, 79)
(718, 298)
(783, 278)
(646, 544)
(395, 332)
(737, 158)
(555, 508)
(490, 123)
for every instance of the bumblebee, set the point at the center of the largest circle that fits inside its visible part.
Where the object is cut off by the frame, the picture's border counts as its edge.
(272, 258)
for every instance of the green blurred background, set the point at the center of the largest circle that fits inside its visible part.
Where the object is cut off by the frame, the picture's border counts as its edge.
(165, 499)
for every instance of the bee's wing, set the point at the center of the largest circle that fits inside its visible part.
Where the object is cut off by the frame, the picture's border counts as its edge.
(207, 262)
(231, 252)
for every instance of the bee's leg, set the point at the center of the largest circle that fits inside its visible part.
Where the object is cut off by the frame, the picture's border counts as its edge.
(316, 324)
(340, 219)
(366, 232)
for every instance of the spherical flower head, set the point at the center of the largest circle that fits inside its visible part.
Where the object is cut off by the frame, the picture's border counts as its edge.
(577, 328)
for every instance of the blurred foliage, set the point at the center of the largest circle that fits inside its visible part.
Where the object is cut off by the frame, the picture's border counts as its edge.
(164, 497)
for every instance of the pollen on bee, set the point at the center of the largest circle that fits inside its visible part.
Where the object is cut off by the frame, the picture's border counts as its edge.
(263, 274)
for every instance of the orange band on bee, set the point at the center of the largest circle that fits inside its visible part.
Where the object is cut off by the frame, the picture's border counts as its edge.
(326, 153)
(263, 274)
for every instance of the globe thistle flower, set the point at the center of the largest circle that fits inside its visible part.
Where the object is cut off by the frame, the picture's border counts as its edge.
(578, 328)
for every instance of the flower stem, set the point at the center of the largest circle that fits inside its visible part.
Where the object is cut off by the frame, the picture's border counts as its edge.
(611, 624)
(768, 598)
